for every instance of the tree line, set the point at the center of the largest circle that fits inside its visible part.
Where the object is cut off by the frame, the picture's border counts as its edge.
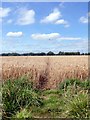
(50, 53)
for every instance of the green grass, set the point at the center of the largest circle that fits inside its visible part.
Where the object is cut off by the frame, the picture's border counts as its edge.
(17, 95)
(75, 82)
(24, 113)
(69, 100)
(0, 101)
(76, 103)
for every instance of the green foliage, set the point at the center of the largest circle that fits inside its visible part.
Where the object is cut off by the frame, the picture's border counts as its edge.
(24, 113)
(76, 106)
(0, 102)
(19, 94)
(76, 83)
(86, 84)
(49, 92)
(22, 100)
(53, 106)
(75, 97)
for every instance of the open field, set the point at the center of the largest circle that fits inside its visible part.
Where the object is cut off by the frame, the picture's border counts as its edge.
(34, 96)
(46, 72)
(21, 100)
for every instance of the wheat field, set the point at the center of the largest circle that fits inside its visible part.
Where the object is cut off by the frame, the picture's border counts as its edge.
(45, 71)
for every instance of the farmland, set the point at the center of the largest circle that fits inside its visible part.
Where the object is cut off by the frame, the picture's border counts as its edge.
(50, 70)
(45, 87)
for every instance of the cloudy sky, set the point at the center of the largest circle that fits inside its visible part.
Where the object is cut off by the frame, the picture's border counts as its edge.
(43, 27)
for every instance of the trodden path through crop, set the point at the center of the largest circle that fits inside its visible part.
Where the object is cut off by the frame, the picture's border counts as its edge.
(46, 71)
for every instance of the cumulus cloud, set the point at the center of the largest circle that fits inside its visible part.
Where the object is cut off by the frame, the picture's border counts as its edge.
(45, 36)
(14, 34)
(55, 18)
(26, 17)
(4, 12)
(52, 17)
(52, 36)
(84, 19)
(62, 21)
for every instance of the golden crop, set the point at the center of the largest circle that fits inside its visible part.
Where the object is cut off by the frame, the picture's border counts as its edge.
(46, 72)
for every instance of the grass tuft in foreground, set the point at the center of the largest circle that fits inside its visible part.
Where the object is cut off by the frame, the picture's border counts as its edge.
(69, 100)
(17, 95)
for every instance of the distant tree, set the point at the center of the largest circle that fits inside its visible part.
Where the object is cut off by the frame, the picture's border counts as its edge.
(61, 53)
(82, 54)
(88, 53)
(50, 53)
(15, 54)
(4, 54)
(10, 54)
(68, 53)
(42, 53)
(77, 53)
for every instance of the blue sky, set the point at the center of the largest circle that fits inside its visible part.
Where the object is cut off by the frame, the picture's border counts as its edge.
(43, 27)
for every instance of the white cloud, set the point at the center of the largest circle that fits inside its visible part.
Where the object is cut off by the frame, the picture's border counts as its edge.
(14, 34)
(55, 18)
(52, 17)
(4, 12)
(62, 21)
(52, 36)
(45, 36)
(26, 17)
(70, 38)
(84, 19)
